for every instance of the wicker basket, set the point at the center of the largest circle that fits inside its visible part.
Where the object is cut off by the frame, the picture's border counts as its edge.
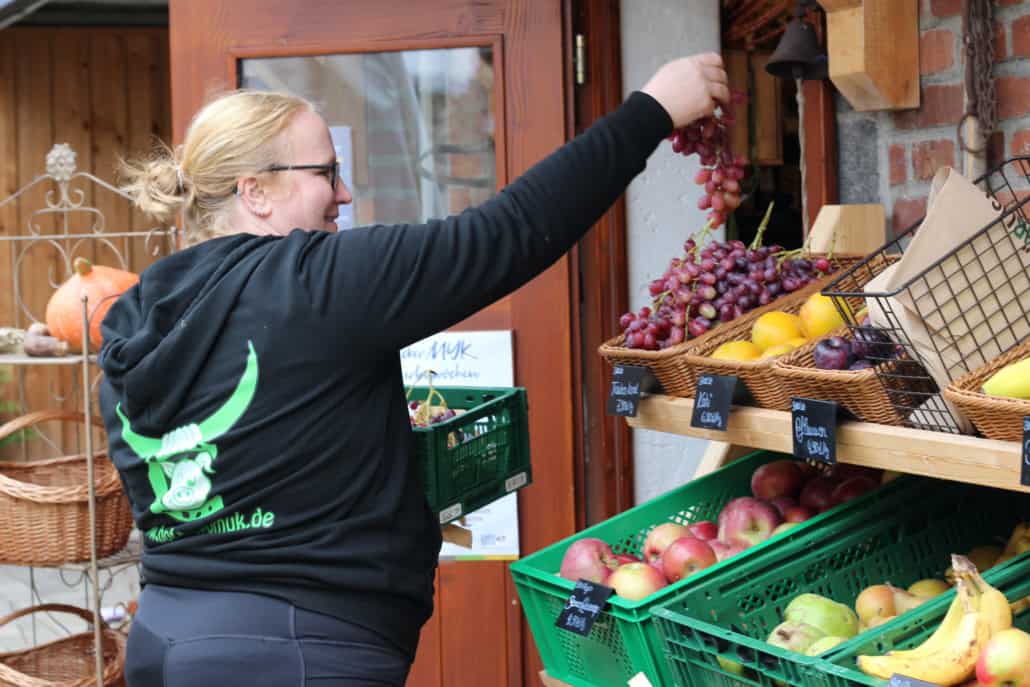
(860, 391)
(67, 662)
(995, 417)
(673, 366)
(44, 504)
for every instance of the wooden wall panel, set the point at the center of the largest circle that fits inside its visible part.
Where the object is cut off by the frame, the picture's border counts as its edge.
(84, 87)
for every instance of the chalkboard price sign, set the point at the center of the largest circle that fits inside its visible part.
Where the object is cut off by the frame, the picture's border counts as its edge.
(1024, 474)
(815, 429)
(583, 607)
(628, 381)
(903, 681)
(713, 397)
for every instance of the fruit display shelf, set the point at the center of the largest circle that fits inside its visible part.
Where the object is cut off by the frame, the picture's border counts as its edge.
(933, 454)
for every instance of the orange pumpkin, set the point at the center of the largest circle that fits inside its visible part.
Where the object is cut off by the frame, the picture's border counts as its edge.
(101, 285)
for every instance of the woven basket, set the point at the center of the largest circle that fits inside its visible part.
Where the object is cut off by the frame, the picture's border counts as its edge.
(67, 662)
(860, 391)
(44, 504)
(995, 417)
(673, 366)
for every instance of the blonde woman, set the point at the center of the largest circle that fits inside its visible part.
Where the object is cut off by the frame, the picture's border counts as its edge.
(252, 385)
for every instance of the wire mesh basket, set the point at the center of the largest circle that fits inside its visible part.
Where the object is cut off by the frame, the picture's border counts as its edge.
(973, 302)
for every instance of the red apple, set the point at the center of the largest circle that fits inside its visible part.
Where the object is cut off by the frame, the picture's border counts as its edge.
(1005, 661)
(686, 556)
(845, 471)
(704, 530)
(747, 521)
(724, 550)
(797, 514)
(635, 581)
(778, 478)
(588, 559)
(660, 537)
(852, 488)
(623, 558)
(782, 503)
(817, 494)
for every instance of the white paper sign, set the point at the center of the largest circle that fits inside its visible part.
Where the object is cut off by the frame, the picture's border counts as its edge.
(481, 359)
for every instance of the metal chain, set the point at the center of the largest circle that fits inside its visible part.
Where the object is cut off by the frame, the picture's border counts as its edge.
(978, 44)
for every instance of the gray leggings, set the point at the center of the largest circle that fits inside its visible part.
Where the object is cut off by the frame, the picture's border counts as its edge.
(194, 638)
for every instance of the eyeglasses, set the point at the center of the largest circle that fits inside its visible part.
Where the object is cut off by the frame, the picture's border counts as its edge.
(332, 169)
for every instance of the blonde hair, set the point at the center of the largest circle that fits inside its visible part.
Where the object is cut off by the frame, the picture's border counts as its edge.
(230, 137)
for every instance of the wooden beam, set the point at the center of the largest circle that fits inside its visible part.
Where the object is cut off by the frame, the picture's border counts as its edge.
(919, 452)
(819, 135)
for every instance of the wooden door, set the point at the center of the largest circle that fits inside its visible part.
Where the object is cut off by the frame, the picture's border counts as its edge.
(477, 636)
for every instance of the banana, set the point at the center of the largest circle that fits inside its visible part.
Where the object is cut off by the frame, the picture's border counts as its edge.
(949, 655)
(948, 665)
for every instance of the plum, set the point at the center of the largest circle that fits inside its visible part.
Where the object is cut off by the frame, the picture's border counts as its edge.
(833, 353)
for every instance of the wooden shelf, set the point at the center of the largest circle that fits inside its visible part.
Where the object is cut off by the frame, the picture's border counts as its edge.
(933, 454)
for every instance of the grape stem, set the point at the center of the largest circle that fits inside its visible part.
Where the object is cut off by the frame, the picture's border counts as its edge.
(757, 243)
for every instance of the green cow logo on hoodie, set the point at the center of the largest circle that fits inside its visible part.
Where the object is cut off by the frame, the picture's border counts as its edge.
(180, 462)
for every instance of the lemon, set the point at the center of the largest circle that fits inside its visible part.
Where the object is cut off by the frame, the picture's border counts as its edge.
(774, 328)
(737, 350)
(798, 342)
(776, 351)
(819, 316)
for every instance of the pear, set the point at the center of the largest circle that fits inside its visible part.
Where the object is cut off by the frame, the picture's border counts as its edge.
(905, 601)
(832, 618)
(796, 637)
(824, 644)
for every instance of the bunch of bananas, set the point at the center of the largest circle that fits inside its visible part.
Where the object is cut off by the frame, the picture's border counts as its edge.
(949, 655)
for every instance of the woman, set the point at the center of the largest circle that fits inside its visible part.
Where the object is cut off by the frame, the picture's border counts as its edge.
(252, 384)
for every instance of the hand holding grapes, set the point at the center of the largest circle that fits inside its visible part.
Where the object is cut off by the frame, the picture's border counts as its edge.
(690, 88)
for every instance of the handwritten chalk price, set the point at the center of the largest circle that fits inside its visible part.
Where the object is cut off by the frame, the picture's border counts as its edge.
(583, 607)
(627, 384)
(1024, 474)
(814, 426)
(713, 397)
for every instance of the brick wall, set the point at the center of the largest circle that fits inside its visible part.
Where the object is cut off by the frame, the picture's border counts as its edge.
(890, 157)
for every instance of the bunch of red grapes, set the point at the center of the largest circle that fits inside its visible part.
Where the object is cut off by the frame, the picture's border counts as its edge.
(721, 171)
(722, 281)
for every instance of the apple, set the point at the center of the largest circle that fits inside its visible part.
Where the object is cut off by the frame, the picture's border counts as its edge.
(588, 559)
(784, 527)
(660, 537)
(686, 556)
(817, 494)
(623, 558)
(852, 488)
(1005, 661)
(704, 530)
(747, 521)
(797, 514)
(724, 550)
(843, 471)
(782, 503)
(730, 666)
(634, 581)
(775, 479)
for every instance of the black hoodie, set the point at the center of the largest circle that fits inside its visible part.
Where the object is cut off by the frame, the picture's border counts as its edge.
(253, 396)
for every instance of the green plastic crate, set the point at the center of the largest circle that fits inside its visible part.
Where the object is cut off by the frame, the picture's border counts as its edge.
(476, 457)
(839, 668)
(624, 640)
(899, 541)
